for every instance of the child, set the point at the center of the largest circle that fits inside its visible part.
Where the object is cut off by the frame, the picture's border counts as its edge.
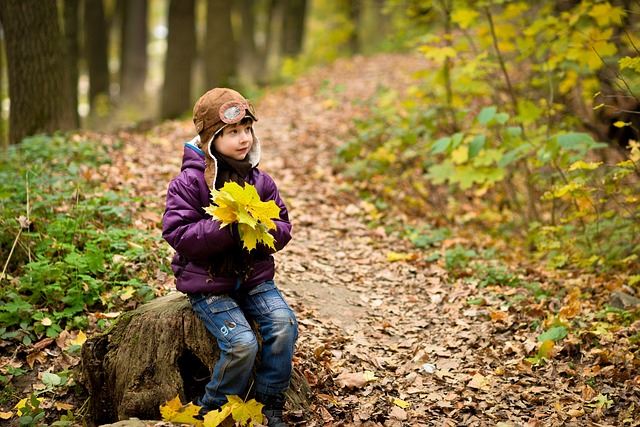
(228, 286)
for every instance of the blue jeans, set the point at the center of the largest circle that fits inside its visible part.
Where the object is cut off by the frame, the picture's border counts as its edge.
(228, 318)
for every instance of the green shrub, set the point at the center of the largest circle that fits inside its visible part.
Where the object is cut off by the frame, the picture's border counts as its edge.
(78, 251)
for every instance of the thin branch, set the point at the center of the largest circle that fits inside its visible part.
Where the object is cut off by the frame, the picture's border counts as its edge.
(631, 41)
(503, 67)
(6, 264)
(619, 76)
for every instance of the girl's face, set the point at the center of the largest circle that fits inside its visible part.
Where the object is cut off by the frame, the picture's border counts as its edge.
(235, 140)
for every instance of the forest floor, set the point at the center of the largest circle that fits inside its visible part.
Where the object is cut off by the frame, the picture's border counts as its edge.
(402, 343)
(392, 340)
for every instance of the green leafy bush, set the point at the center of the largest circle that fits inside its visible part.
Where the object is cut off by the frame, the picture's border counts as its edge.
(498, 124)
(67, 240)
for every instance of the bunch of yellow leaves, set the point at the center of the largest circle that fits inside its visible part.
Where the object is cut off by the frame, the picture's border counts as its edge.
(243, 413)
(233, 203)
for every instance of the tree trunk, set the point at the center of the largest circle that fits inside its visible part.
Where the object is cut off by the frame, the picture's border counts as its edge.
(219, 47)
(293, 27)
(38, 85)
(3, 141)
(133, 50)
(181, 48)
(71, 24)
(151, 355)
(354, 17)
(249, 60)
(96, 50)
(269, 52)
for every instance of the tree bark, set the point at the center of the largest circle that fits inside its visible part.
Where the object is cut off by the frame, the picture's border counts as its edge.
(151, 355)
(249, 58)
(219, 47)
(96, 44)
(133, 50)
(38, 84)
(354, 16)
(71, 24)
(293, 26)
(181, 48)
(269, 53)
(3, 141)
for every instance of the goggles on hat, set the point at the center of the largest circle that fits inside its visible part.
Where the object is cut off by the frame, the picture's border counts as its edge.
(234, 111)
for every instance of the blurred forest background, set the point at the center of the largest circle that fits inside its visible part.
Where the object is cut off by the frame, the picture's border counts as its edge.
(99, 64)
(506, 156)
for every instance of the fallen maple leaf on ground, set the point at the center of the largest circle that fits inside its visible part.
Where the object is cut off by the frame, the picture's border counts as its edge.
(355, 379)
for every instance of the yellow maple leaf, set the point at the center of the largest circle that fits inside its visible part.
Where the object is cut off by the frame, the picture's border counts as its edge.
(264, 212)
(243, 412)
(79, 339)
(546, 349)
(175, 412)
(464, 17)
(23, 402)
(401, 403)
(242, 205)
(214, 418)
(621, 124)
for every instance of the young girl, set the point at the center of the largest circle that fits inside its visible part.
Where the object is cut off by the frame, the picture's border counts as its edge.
(228, 286)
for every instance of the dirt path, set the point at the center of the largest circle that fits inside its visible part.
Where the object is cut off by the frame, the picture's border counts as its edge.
(381, 343)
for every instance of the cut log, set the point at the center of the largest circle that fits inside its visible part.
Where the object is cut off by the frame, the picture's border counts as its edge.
(149, 356)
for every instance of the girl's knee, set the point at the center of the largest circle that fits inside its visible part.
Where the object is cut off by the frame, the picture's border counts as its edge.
(284, 326)
(244, 346)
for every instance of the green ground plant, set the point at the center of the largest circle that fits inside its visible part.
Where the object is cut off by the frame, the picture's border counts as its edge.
(503, 119)
(68, 245)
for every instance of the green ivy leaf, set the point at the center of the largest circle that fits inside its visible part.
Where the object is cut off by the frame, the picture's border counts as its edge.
(486, 114)
(556, 334)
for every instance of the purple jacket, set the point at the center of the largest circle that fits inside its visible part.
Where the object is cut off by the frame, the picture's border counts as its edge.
(199, 240)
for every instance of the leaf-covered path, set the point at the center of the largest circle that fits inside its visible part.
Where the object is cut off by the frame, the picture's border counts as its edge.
(381, 342)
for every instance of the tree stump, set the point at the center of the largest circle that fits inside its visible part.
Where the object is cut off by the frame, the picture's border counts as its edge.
(149, 356)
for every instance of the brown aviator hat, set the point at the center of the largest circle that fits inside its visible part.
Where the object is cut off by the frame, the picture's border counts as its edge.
(214, 110)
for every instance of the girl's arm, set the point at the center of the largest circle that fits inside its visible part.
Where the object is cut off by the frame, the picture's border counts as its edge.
(282, 233)
(186, 227)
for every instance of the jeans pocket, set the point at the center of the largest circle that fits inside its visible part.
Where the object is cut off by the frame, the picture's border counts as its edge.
(267, 298)
(221, 315)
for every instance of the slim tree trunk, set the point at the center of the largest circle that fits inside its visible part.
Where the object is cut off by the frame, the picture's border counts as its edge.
(133, 49)
(96, 44)
(3, 141)
(219, 48)
(249, 60)
(354, 16)
(270, 48)
(38, 85)
(71, 24)
(181, 47)
(293, 27)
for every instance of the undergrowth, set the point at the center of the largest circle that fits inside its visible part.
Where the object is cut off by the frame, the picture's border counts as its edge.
(67, 242)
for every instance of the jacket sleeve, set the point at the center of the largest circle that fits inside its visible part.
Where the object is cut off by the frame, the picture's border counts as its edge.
(282, 233)
(188, 229)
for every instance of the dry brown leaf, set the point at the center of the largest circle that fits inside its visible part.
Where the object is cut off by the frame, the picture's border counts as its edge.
(36, 356)
(61, 406)
(398, 413)
(498, 316)
(480, 382)
(354, 379)
(575, 412)
(42, 344)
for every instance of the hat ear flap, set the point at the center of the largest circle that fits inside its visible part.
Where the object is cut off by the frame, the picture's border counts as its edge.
(210, 171)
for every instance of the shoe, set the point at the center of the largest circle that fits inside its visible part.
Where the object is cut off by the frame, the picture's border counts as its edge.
(274, 418)
(273, 408)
